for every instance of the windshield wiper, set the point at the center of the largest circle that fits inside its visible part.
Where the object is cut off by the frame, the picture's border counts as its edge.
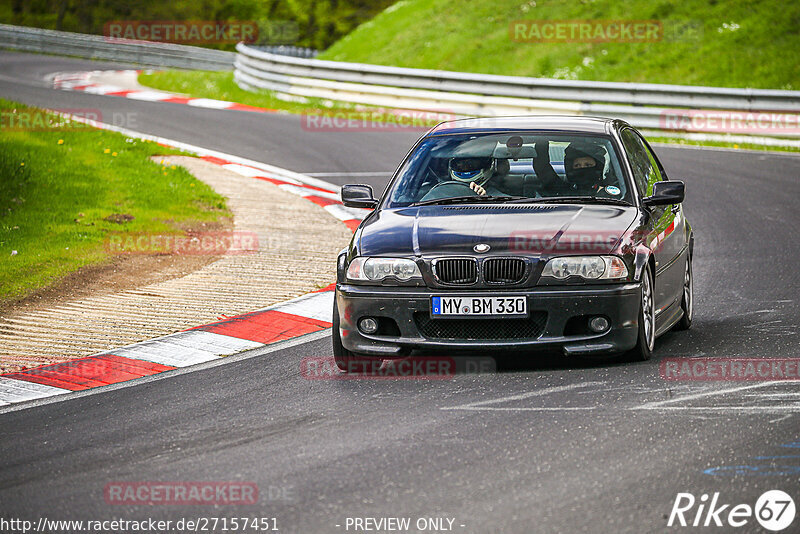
(467, 199)
(577, 200)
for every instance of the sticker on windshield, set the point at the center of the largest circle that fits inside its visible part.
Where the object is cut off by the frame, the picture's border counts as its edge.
(613, 190)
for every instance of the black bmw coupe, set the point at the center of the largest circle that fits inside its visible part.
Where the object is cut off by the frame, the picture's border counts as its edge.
(521, 232)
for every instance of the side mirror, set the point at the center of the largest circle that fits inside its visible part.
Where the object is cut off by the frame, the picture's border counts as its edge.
(358, 196)
(665, 193)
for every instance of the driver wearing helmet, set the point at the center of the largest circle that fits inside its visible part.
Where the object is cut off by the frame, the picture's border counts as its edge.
(475, 172)
(583, 166)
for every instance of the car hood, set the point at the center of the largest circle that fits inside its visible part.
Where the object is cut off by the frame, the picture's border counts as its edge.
(512, 228)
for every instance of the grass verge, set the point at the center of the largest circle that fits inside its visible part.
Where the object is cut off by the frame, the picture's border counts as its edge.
(722, 43)
(721, 144)
(66, 187)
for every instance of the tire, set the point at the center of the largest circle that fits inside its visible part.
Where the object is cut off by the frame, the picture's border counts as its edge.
(643, 350)
(687, 302)
(348, 361)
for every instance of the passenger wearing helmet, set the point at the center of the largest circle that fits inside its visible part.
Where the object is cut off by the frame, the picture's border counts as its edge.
(583, 166)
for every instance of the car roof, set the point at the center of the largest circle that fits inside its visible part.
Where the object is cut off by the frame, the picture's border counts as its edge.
(559, 123)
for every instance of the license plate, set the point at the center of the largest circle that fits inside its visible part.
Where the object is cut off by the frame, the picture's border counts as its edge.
(516, 306)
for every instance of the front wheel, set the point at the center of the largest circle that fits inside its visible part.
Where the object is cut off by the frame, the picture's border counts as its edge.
(646, 341)
(348, 361)
(687, 303)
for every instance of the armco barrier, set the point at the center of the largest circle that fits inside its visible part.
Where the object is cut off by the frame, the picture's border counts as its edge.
(769, 113)
(748, 114)
(145, 53)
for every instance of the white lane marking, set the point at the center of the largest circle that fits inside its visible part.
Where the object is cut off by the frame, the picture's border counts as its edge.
(763, 324)
(483, 405)
(792, 408)
(787, 416)
(655, 405)
(778, 406)
(526, 408)
(12, 390)
(774, 395)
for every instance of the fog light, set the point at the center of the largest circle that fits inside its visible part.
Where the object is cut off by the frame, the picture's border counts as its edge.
(599, 324)
(368, 325)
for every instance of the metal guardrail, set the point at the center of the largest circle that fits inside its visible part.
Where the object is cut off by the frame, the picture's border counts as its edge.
(663, 108)
(144, 53)
(651, 106)
(288, 50)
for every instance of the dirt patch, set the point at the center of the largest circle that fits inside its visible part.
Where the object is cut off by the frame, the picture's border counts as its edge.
(119, 218)
(120, 273)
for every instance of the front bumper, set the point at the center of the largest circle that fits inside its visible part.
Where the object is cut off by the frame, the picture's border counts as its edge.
(563, 308)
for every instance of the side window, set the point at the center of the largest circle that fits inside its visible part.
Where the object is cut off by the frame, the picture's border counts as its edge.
(645, 169)
(655, 172)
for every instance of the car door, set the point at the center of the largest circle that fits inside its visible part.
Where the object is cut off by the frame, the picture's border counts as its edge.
(667, 237)
(674, 239)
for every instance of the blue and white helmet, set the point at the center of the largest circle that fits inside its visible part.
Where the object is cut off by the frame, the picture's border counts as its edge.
(471, 169)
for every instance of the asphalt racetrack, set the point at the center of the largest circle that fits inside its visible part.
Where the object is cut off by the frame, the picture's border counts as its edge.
(544, 445)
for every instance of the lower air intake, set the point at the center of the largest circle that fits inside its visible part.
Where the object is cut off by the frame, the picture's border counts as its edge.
(481, 329)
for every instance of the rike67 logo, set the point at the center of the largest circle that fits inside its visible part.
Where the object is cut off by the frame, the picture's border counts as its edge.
(774, 510)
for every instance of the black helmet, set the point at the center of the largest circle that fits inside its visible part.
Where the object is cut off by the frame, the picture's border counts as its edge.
(587, 176)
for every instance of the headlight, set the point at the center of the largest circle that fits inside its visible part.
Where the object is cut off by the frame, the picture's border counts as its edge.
(377, 269)
(587, 267)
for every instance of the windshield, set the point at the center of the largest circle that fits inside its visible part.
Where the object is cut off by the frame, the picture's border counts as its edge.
(509, 167)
